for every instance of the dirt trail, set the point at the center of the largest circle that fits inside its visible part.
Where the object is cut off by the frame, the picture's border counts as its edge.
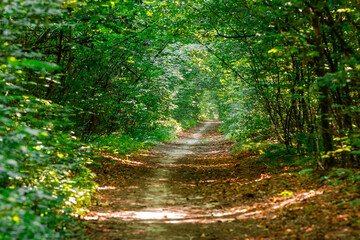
(161, 202)
(193, 188)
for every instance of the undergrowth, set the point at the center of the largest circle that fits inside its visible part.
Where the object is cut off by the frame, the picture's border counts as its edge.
(44, 177)
(277, 158)
(138, 139)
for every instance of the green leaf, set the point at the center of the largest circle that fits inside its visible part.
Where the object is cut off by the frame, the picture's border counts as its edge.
(306, 171)
(13, 61)
(39, 65)
(286, 193)
(274, 50)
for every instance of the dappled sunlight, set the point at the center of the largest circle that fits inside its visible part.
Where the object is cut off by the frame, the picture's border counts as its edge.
(296, 198)
(186, 184)
(175, 165)
(204, 214)
(148, 214)
(236, 181)
(107, 188)
(263, 209)
(123, 161)
(208, 181)
(212, 152)
(214, 159)
(182, 191)
(152, 180)
(262, 177)
(186, 214)
(147, 154)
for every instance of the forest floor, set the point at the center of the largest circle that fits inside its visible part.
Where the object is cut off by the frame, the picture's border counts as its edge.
(195, 188)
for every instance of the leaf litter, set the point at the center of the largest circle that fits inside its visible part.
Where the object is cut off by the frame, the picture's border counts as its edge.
(208, 193)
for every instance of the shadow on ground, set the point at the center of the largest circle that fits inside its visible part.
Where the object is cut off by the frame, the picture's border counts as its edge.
(193, 188)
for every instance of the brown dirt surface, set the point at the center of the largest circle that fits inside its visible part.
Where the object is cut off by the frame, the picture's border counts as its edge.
(195, 188)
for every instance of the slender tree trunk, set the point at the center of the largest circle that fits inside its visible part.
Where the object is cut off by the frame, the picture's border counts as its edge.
(324, 100)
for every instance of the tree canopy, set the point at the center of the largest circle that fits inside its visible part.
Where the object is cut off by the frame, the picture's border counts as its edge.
(81, 76)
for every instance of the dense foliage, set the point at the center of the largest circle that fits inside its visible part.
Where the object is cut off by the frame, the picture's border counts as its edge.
(295, 68)
(75, 74)
(120, 75)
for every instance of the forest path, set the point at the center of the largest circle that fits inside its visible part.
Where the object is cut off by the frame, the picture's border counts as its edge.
(194, 188)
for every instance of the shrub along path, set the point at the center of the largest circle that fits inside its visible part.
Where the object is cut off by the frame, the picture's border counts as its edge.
(194, 188)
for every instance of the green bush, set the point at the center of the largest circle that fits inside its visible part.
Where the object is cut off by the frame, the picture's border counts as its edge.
(43, 173)
(140, 138)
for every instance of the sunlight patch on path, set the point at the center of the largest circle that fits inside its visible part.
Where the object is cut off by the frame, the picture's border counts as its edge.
(176, 215)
